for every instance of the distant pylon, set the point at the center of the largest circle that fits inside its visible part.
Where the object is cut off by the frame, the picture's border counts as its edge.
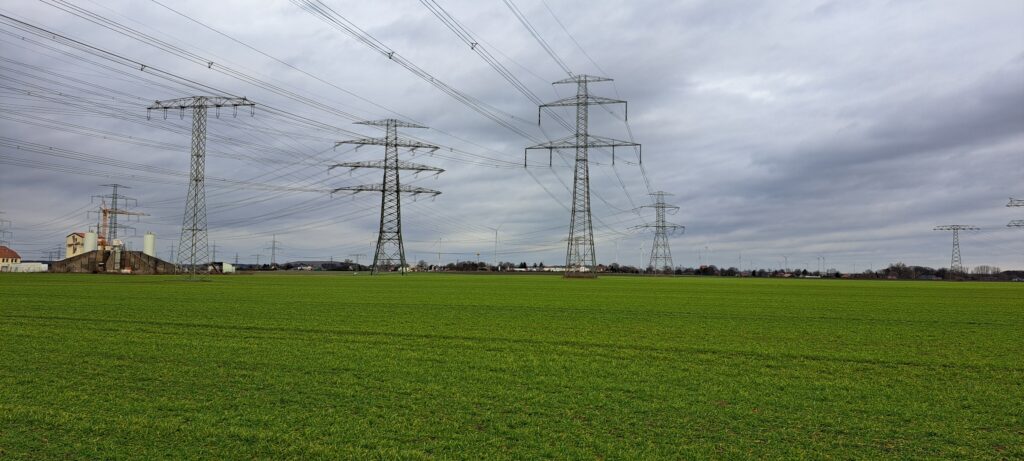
(273, 252)
(107, 227)
(5, 235)
(193, 249)
(580, 260)
(661, 253)
(956, 265)
(390, 253)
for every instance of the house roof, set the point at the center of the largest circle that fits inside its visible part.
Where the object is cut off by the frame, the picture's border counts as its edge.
(80, 234)
(7, 253)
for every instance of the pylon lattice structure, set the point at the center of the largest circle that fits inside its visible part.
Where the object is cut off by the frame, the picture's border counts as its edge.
(108, 226)
(956, 265)
(5, 235)
(1016, 203)
(661, 253)
(193, 248)
(390, 253)
(580, 259)
(273, 251)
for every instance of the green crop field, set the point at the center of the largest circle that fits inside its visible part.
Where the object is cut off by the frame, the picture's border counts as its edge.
(492, 367)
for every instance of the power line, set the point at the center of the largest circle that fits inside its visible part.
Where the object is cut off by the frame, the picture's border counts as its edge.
(543, 43)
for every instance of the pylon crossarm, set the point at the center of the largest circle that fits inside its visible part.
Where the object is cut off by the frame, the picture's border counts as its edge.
(1016, 223)
(1015, 202)
(664, 206)
(402, 165)
(582, 78)
(569, 142)
(589, 100)
(390, 121)
(400, 142)
(201, 101)
(380, 188)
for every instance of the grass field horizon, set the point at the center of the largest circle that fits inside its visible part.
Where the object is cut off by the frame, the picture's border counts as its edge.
(523, 367)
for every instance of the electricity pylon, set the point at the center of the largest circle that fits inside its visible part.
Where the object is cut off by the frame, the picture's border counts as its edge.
(273, 252)
(108, 226)
(5, 235)
(955, 265)
(661, 254)
(193, 249)
(390, 254)
(1014, 202)
(580, 260)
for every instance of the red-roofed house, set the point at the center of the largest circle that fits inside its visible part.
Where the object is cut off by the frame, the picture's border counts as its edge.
(8, 258)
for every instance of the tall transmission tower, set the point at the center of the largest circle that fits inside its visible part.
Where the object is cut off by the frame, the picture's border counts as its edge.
(5, 235)
(390, 253)
(193, 250)
(661, 254)
(956, 265)
(1014, 202)
(580, 260)
(107, 226)
(273, 252)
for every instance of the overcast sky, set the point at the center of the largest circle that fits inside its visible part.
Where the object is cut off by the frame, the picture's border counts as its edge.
(799, 129)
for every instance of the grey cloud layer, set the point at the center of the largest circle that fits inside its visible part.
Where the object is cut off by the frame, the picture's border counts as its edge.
(839, 128)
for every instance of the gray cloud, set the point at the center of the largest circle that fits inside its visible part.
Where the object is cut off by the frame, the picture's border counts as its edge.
(845, 129)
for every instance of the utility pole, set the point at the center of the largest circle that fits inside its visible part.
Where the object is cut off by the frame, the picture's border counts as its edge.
(172, 253)
(956, 265)
(236, 258)
(390, 252)
(661, 253)
(193, 251)
(257, 262)
(214, 252)
(580, 260)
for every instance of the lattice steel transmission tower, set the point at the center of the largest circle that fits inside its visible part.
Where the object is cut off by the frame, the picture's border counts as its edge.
(193, 248)
(273, 251)
(5, 235)
(107, 226)
(955, 265)
(580, 260)
(390, 254)
(1016, 203)
(661, 254)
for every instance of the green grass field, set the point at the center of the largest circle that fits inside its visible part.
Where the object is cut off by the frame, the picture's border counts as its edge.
(522, 367)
